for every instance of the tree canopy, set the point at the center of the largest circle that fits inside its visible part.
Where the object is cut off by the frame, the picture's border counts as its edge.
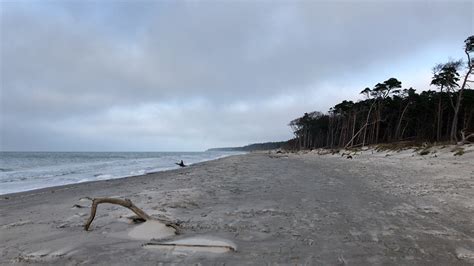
(392, 113)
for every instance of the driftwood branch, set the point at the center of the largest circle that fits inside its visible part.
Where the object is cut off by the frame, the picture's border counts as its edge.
(190, 245)
(127, 204)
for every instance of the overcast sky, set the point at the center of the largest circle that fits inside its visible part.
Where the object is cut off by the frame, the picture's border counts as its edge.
(186, 76)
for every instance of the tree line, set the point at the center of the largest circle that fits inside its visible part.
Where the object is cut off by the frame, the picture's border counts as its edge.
(254, 147)
(391, 113)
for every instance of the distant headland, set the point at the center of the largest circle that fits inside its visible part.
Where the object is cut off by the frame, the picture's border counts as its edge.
(254, 147)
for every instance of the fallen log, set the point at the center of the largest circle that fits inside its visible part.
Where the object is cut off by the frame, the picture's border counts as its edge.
(127, 204)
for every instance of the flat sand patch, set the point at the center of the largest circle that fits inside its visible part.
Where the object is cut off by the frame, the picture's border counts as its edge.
(151, 230)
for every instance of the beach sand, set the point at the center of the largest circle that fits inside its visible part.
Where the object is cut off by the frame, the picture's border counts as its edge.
(304, 208)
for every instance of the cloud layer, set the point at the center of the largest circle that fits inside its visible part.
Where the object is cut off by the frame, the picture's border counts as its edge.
(193, 75)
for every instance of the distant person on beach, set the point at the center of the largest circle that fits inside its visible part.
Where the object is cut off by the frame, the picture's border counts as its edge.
(181, 164)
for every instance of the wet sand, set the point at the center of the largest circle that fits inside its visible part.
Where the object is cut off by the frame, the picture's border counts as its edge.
(272, 208)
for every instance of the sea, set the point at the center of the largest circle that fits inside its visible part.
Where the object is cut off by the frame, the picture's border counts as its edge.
(23, 171)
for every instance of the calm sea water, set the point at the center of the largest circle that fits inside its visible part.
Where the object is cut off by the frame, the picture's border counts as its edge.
(22, 171)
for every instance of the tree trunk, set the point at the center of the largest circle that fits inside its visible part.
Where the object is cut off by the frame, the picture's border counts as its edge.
(397, 131)
(366, 123)
(403, 131)
(440, 116)
(454, 129)
(353, 129)
(377, 125)
(454, 126)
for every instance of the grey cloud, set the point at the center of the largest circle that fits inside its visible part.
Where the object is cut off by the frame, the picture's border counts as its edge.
(75, 62)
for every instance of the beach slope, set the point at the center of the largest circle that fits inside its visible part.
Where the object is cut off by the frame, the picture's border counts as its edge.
(272, 208)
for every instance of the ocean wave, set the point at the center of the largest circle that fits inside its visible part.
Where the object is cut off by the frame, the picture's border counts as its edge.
(47, 171)
(139, 172)
(13, 180)
(103, 177)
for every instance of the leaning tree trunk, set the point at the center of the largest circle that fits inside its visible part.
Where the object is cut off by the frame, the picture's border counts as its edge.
(397, 131)
(454, 126)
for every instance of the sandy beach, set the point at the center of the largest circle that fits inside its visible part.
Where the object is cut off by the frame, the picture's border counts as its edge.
(391, 208)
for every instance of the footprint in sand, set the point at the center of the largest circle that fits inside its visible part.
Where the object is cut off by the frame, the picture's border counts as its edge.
(45, 255)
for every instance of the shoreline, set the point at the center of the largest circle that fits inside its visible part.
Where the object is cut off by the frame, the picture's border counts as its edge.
(270, 208)
(118, 179)
(111, 179)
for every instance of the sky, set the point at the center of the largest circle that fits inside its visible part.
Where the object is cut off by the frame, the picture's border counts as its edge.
(192, 75)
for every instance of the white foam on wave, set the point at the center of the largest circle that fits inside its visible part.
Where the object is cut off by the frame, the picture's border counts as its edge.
(103, 177)
(139, 172)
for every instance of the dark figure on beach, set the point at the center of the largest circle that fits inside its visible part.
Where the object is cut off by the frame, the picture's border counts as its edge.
(181, 164)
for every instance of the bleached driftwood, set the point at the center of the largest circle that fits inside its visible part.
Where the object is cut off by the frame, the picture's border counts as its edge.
(465, 139)
(127, 204)
(228, 247)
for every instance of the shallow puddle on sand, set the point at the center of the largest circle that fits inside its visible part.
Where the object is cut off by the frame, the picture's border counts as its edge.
(193, 245)
(151, 230)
